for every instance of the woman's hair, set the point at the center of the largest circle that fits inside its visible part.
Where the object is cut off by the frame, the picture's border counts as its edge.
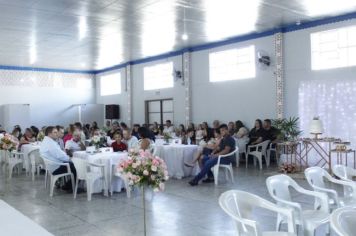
(239, 124)
(29, 130)
(181, 126)
(217, 131)
(118, 133)
(259, 122)
(143, 132)
(71, 129)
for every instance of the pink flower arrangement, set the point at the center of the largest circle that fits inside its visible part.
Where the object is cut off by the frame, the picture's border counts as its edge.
(8, 142)
(142, 168)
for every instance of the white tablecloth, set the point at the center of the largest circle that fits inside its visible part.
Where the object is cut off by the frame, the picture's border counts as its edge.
(111, 161)
(26, 149)
(13, 222)
(175, 155)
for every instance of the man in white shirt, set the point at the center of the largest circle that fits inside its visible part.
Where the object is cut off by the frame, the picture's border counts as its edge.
(169, 127)
(50, 150)
(60, 130)
(75, 144)
(129, 140)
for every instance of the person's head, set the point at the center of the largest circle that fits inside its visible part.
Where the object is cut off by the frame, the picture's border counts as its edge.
(143, 132)
(86, 127)
(126, 133)
(181, 128)
(71, 129)
(191, 126)
(28, 133)
(60, 130)
(51, 132)
(118, 137)
(190, 133)
(78, 125)
(258, 124)
(136, 127)
(199, 127)
(216, 124)
(18, 127)
(115, 125)
(96, 132)
(123, 125)
(155, 125)
(267, 124)
(205, 125)
(231, 125)
(76, 136)
(94, 124)
(224, 130)
(168, 123)
(108, 123)
(35, 130)
(217, 133)
(238, 125)
(16, 132)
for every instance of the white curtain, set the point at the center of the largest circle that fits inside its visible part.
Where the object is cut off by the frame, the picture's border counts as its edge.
(334, 102)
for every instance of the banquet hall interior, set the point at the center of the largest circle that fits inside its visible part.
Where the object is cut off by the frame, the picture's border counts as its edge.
(177, 117)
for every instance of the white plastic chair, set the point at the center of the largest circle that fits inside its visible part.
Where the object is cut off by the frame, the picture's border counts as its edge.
(228, 168)
(54, 178)
(309, 220)
(13, 160)
(343, 221)
(239, 206)
(36, 162)
(85, 171)
(258, 153)
(344, 172)
(322, 181)
(272, 148)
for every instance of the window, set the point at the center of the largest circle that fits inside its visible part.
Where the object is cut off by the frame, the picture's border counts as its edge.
(232, 64)
(333, 48)
(158, 76)
(110, 84)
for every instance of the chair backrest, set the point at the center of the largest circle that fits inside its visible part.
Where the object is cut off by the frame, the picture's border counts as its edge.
(239, 205)
(35, 156)
(316, 176)
(278, 187)
(343, 221)
(81, 166)
(344, 172)
(264, 146)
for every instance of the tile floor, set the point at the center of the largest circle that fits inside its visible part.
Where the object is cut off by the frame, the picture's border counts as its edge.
(180, 210)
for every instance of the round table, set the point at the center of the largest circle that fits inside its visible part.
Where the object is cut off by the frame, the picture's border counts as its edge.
(175, 155)
(111, 161)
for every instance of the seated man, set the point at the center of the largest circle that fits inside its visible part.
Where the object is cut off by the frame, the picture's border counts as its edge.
(270, 131)
(75, 144)
(51, 150)
(129, 140)
(227, 145)
(169, 128)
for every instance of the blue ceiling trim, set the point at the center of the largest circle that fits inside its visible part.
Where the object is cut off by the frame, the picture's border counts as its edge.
(21, 68)
(116, 67)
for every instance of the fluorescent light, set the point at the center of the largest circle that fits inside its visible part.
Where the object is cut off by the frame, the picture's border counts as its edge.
(83, 27)
(184, 36)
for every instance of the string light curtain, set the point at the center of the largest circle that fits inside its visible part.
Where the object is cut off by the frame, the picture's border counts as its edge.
(334, 102)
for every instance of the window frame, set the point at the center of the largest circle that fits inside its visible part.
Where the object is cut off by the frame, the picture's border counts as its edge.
(157, 66)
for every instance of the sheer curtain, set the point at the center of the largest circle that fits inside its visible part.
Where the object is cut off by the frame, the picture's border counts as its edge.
(334, 102)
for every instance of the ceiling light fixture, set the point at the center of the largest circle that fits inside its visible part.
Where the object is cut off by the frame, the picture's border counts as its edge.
(184, 35)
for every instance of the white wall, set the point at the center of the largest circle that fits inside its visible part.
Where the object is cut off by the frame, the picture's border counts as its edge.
(120, 99)
(297, 64)
(51, 95)
(243, 100)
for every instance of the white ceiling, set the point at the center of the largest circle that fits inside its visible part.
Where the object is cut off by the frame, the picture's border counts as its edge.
(96, 34)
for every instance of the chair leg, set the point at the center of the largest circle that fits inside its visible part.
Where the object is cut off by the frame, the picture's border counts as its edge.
(72, 181)
(216, 174)
(231, 175)
(279, 222)
(51, 187)
(46, 176)
(76, 188)
(89, 190)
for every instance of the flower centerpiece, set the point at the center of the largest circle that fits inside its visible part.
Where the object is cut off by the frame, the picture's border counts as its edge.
(8, 143)
(167, 137)
(288, 168)
(40, 136)
(144, 170)
(96, 141)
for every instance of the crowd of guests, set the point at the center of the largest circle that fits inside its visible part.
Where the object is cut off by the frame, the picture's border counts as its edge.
(59, 143)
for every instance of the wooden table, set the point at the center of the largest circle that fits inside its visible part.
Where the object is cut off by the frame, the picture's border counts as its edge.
(14, 223)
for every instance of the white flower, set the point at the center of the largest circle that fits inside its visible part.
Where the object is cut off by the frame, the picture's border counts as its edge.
(154, 168)
(153, 177)
(134, 165)
(156, 190)
(145, 172)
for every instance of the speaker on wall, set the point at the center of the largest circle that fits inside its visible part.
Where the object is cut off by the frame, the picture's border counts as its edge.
(112, 112)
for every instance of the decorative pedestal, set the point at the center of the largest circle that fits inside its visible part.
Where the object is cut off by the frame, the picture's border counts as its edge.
(343, 154)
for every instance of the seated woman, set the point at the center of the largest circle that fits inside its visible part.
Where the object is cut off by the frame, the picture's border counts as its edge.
(155, 128)
(241, 136)
(199, 134)
(27, 137)
(257, 133)
(145, 142)
(118, 145)
(189, 138)
(208, 149)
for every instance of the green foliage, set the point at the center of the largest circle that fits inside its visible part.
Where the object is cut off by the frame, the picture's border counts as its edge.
(288, 129)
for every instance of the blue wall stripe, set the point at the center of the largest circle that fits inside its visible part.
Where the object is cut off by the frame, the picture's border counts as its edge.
(284, 29)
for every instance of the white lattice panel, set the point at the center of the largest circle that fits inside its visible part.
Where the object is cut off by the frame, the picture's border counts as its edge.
(45, 79)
